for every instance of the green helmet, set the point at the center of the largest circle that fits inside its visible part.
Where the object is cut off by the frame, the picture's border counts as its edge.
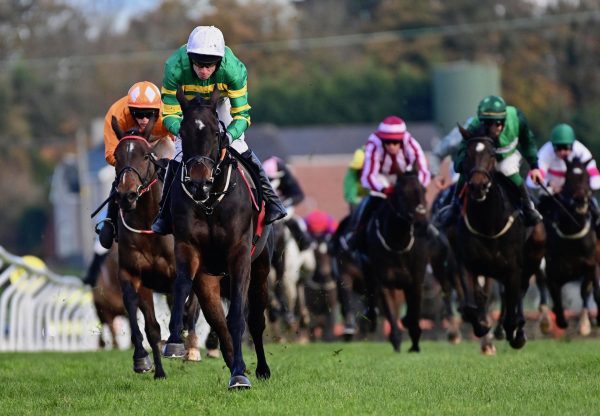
(491, 107)
(562, 134)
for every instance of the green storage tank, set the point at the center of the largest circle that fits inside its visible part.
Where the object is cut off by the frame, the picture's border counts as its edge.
(457, 89)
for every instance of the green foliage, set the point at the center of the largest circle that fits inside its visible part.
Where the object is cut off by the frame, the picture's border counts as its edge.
(546, 377)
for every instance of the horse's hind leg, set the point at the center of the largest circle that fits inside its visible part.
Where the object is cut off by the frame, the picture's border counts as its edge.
(152, 329)
(585, 327)
(141, 361)
(192, 312)
(258, 296)
(413, 314)
(555, 289)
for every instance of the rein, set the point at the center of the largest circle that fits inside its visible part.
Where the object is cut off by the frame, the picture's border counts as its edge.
(385, 245)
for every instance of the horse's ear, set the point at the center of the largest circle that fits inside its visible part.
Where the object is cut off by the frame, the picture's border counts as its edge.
(585, 163)
(464, 132)
(183, 102)
(116, 128)
(214, 97)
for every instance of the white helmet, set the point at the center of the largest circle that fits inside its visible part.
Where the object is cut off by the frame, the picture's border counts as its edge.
(206, 40)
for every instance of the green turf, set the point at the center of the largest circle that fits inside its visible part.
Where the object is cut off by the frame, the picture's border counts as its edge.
(547, 377)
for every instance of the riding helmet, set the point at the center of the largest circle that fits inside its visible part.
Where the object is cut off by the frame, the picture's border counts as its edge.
(491, 107)
(144, 94)
(206, 45)
(562, 134)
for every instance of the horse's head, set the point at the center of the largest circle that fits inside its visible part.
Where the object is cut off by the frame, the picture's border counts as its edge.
(408, 198)
(479, 163)
(201, 142)
(135, 164)
(576, 191)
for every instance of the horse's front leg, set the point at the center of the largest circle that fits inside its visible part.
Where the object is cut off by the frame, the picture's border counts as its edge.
(141, 361)
(187, 263)
(413, 294)
(390, 309)
(555, 289)
(239, 261)
(514, 319)
(191, 315)
(152, 328)
(474, 300)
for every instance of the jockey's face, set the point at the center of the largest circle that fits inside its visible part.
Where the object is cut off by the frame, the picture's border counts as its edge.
(563, 151)
(143, 116)
(204, 71)
(493, 128)
(392, 147)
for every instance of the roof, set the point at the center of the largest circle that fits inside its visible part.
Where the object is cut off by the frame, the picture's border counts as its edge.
(266, 140)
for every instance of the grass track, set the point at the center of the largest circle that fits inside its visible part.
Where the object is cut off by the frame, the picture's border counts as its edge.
(546, 377)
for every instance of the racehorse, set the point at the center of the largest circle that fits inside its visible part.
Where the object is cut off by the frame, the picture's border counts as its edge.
(146, 260)
(321, 290)
(351, 286)
(108, 298)
(571, 242)
(492, 241)
(396, 252)
(214, 224)
(290, 267)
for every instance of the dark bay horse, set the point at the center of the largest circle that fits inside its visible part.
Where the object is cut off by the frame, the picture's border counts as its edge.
(214, 226)
(396, 252)
(571, 242)
(146, 260)
(492, 241)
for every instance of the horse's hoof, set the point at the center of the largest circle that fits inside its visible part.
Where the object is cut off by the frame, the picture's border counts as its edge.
(546, 325)
(518, 342)
(142, 365)
(481, 330)
(414, 349)
(174, 351)
(488, 350)
(160, 375)
(213, 353)
(193, 354)
(263, 374)
(454, 338)
(499, 333)
(239, 383)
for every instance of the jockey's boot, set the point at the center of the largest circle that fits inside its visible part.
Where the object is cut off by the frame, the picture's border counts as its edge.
(162, 223)
(274, 208)
(107, 228)
(530, 214)
(299, 233)
(94, 270)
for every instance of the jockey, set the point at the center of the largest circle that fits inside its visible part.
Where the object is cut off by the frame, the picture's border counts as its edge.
(134, 111)
(289, 191)
(389, 151)
(354, 192)
(199, 66)
(508, 127)
(552, 156)
(447, 146)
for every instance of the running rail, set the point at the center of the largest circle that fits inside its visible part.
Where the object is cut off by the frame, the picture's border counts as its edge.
(43, 311)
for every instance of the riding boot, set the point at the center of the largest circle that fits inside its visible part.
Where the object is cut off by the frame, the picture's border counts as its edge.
(530, 214)
(163, 223)
(448, 214)
(299, 233)
(274, 208)
(94, 270)
(107, 228)
(358, 225)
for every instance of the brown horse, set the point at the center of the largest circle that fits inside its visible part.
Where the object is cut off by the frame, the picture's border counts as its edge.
(108, 298)
(396, 253)
(492, 240)
(146, 260)
(214, 225)
(571, 242)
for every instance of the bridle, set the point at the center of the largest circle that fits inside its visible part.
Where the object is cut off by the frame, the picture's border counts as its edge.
(477, 169)
(146, 180)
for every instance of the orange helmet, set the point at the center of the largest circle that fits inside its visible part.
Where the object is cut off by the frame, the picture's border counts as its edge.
(144, 94)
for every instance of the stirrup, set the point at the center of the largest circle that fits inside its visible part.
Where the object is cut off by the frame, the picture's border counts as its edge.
(98, 229)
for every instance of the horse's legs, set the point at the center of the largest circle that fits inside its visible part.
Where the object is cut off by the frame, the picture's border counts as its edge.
(514, 320)
(344, 287)
(390, 309)
(596, 292)
(239, 272)
(188, 263)
(152, 328)
(413, 295)
(208, 290)
(113, 331)
(555, 288)
(586, 290)
(258, 295)
(474, 300)
(192, 312)
(141, 362)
